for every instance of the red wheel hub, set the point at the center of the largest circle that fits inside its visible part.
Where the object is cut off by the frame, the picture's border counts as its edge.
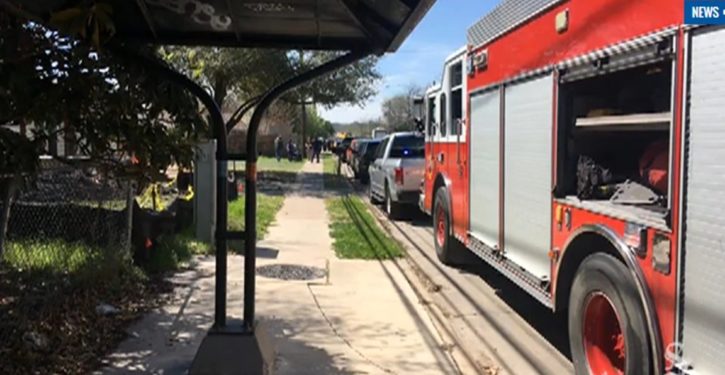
(603, 337)
(440, 226)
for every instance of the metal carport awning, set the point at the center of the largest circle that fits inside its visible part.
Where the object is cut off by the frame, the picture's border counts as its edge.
(362, 27)
(374, 25)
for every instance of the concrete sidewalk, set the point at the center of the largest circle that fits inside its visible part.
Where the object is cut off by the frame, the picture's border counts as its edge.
(366, 320)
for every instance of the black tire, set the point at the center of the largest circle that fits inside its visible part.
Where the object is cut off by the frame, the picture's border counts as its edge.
(448, 249)
(603, 283)
(392, 209)
(373, 200)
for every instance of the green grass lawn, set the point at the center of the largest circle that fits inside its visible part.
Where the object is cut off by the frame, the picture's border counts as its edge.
(355, 232)
(53, 256)
(331, 179)
(267, 164)
(267, 208)
(114, 205)
(172, 251)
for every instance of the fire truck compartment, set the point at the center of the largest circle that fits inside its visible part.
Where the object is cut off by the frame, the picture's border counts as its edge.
(610, 123)
(650, 216)
(524, 111)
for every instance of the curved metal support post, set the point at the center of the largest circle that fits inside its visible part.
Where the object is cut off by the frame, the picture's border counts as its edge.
(250, 188)
(241, 111)
(220, 134)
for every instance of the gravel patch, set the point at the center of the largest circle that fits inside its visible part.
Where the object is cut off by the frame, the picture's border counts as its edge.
(290, 272)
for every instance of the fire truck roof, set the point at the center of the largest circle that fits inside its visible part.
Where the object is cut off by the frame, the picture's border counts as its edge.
(435, 87)
(380, 26)
(505, 17)
(457, 54)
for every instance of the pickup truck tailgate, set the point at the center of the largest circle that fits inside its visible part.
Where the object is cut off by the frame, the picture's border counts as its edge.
(413, 172)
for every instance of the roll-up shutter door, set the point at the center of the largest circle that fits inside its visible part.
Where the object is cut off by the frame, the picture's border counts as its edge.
(704, 243)
(527, 173)
(484, 189)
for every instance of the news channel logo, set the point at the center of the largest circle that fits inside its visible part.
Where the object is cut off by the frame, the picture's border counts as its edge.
(705, 12)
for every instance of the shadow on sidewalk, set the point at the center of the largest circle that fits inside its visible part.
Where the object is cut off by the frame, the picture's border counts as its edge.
(551, 327)
(540, 318)
(375, 242)
(316, 360)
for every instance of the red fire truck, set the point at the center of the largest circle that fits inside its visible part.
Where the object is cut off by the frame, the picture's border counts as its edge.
(579, 148)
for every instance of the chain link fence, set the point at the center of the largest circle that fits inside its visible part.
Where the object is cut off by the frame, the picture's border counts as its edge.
(68, 218)
(66, 249)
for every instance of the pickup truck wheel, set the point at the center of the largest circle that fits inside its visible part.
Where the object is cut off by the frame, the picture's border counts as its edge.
(448, 250)
(392, 209)
(371, 195)
(607, 330)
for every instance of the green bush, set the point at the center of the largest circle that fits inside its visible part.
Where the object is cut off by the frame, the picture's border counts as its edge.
(172, 251)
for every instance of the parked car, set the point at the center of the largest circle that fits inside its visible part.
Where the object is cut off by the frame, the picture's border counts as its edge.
(343, 147)
(363, 158)
(350, 153)
(353, 152)
(396, 172)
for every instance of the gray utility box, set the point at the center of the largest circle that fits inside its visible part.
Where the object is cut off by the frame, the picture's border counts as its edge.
(205, 192)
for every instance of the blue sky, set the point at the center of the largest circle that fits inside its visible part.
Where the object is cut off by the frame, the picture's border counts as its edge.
(419, 61)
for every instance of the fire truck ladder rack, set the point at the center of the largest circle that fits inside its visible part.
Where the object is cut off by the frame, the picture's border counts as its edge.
(533, 285)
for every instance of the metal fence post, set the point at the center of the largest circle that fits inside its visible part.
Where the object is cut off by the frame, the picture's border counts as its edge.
(130, 197)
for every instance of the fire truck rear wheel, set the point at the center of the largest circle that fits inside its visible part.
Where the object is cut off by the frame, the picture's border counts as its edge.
(607, 328)
(448, 250)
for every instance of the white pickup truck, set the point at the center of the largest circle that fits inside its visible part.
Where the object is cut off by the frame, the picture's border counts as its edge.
(396, 173)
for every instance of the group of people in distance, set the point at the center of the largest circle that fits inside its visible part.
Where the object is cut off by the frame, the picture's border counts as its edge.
(314, 147)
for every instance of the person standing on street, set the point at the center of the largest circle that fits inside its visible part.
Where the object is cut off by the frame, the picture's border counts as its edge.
(290, 150)
(278, 148)
(317, 149)
(308, 147)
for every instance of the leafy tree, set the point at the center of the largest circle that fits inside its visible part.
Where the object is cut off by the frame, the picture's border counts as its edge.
(354, 84)
(360, 128)
(233, 75)
(237, 75)
(115, 109)
(317, 126)
(398, 110)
